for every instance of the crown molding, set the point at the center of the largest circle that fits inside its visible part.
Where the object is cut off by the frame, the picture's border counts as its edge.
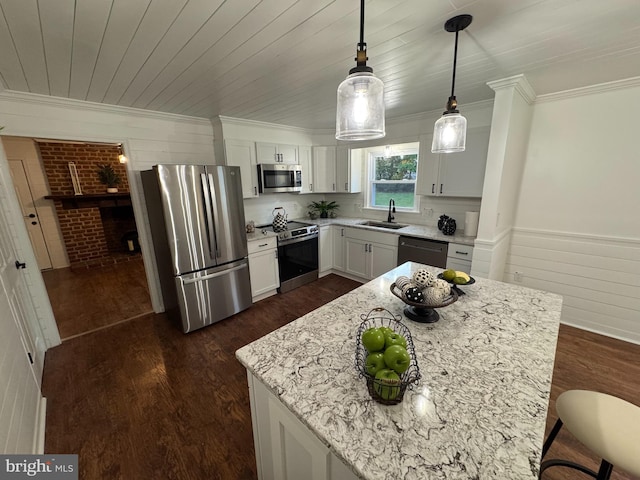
(519, 82)
(241, 122)
(590, 90)
(39, 99)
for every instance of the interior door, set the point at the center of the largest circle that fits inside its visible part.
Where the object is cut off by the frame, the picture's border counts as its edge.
(29, 213)
(20, 361)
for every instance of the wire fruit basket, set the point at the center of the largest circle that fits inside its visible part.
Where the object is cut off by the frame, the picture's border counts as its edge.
(387, 392)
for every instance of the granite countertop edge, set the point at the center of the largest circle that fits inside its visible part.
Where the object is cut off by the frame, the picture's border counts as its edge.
(411, 230)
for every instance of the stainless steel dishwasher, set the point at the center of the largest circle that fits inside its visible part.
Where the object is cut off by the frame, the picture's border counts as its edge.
(429, 252)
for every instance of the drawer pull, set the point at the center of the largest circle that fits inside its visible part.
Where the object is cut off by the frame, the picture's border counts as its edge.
(462, 253)
(263, 245)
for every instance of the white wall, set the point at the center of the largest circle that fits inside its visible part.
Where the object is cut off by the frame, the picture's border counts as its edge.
(577, 228)
(148, 138)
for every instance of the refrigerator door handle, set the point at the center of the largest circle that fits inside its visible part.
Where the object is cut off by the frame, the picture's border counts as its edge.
(214, 210)
(211, 233)
(214, 275)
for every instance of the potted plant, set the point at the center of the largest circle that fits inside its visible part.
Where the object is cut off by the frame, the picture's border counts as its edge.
(109, 177)
(324, 208)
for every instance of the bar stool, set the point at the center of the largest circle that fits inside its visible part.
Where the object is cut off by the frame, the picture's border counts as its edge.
(607, 425)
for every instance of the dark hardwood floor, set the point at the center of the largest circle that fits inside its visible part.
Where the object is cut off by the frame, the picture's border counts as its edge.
(85, 299)
(142, 400)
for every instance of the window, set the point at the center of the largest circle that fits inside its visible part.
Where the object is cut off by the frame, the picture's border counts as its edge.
(392, 173)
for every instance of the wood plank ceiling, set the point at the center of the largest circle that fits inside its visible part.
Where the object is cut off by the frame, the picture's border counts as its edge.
(281, 61)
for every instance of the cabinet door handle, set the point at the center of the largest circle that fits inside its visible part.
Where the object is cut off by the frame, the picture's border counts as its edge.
(255, 191)
(433, 188)
(276, 253)
(311, 187)
(263, 245)
(370, 248)
(462, 253)
(366, 248)
(440, 188)
(346, 187)
(342, 232)
(333, 187)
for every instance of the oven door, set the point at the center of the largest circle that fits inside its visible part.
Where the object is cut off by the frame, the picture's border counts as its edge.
(298, 261)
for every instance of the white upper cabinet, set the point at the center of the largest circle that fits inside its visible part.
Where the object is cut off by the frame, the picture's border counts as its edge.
(324, 169)
(348, 171)
(335, 170)
(276, 153)
(454, 174)
(242, 153)
(304, 158)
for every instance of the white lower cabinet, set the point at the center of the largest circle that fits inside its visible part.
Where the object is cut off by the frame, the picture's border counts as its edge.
(338, 247)
(325, 249)
(459, 257)
(369, 254)
(285, 447)
(263, 268)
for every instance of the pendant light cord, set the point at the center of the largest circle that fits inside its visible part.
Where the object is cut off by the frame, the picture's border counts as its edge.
(362, 45)
(455, 61)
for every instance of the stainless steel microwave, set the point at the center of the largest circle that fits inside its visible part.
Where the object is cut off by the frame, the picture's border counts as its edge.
(279, 178)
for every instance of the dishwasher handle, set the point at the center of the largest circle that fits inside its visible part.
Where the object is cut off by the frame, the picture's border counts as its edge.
(427, 249)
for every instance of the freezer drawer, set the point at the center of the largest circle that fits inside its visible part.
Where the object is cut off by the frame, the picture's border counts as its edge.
(211, 295)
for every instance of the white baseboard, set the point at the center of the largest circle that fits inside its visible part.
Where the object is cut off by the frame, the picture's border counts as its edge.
(41, 424)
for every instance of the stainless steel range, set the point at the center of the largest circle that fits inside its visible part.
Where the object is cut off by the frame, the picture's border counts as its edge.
(297, 255)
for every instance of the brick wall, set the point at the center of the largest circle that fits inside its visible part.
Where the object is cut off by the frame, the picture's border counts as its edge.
(91, 235)
(56, 158)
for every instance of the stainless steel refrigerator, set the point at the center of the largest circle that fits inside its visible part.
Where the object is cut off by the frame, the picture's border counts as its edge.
(197, 223)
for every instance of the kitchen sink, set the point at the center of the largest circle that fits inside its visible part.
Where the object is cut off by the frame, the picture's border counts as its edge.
(392, 226)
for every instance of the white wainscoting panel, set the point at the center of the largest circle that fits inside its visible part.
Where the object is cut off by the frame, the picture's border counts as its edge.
(598, 277)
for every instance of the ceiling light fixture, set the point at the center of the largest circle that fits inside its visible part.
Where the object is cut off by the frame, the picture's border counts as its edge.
(450, 131)
(360, 111)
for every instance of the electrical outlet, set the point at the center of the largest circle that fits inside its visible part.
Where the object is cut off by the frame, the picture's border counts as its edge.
(517, 276)
(428, 212)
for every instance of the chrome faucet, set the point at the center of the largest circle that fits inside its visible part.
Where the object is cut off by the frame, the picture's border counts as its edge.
(391, 203)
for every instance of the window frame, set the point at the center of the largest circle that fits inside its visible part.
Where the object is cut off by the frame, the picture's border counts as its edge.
(371, 154)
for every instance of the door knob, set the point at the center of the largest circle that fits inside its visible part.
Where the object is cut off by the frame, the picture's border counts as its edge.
(20, 265)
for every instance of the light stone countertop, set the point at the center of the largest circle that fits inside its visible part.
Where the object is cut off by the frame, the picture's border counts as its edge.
(260, 234)
(479, 410)
(419, 231)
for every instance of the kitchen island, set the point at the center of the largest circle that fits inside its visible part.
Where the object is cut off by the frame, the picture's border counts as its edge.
(479, 410)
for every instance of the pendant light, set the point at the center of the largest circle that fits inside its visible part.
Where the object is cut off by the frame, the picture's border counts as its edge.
(360, 110)
(450, 131)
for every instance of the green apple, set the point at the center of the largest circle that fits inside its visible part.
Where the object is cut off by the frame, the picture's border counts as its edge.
(387, 384)
(397, 358)
(374, 363)
(373, 340)
(394, 339)
(387, 330)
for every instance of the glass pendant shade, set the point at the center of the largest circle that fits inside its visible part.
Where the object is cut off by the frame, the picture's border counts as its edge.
(360, 108)
(449, 134)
